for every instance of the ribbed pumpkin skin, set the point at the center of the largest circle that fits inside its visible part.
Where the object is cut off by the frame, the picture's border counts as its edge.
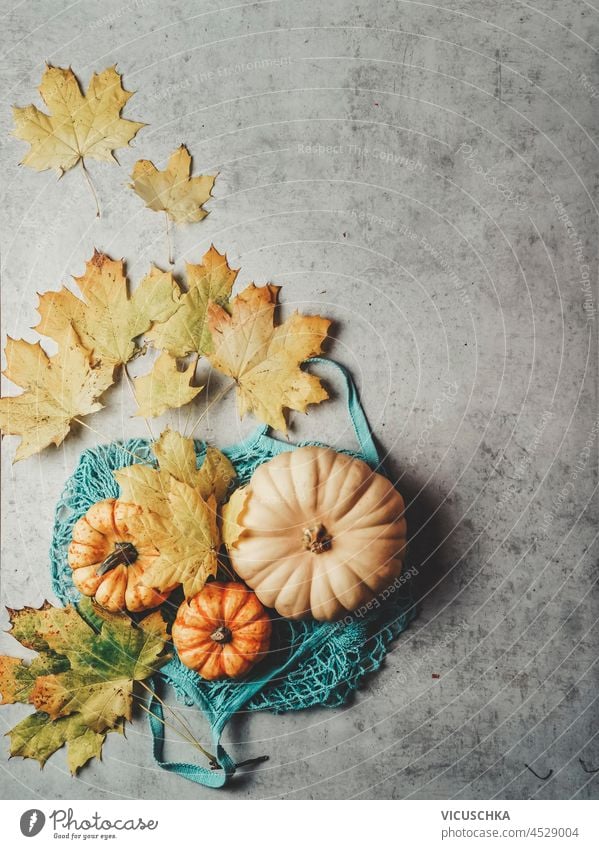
(94, 537)
(361, 512)
(222, 605)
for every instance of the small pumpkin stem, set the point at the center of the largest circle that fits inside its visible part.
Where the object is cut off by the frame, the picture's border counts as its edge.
(222, 635)
(124, 553)
(316, 539)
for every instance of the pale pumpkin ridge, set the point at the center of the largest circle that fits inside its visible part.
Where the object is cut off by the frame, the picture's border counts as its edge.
(282, 565)
(318, 483)
(346, 505)
(327, 477)
(372, 513)
(372, 577)
(257, 551)
(298, 460)
(300, 508)
(319, 587)
(340, 566)
(396, 538)
(265, 471)
(296, 592)
(268, 524)
(365, 537)
(362, 537)
(340, 470)
(289, 560)
(389, 511)
(352, 565)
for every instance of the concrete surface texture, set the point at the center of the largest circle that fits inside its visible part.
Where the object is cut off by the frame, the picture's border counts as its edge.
(424, 175)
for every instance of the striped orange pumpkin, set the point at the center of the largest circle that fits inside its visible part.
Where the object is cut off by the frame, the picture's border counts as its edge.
(222, 631)
(108, 562)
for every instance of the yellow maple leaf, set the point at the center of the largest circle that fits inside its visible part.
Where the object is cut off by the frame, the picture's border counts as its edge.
(57, 390)
(176, 456)
(165, 387)
(173, 190)
(264, 360)
(109, 319)
(178, 522)
(186, 331)
(79, 125)
(187, 542)
(179, 515)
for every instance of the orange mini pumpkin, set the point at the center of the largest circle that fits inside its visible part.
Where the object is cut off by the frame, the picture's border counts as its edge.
(222, 631)
(108, 562)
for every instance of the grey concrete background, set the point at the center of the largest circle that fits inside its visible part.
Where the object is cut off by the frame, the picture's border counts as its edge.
(339, 132)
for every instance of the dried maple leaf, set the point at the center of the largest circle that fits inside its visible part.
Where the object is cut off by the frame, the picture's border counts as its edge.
(165, 387)
(173, 190)
(176, 456)
(82, 681)
(37, 738)
(178, 522)
(58, 389)
(109, 319)
(188, 541)
(79, 125)
(180, 507)
(186, 331)
(264, 360)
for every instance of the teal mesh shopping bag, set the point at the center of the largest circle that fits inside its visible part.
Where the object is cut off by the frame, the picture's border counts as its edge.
(316, 663)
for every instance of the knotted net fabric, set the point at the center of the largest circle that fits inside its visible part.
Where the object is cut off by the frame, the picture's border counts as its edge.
(310, 663)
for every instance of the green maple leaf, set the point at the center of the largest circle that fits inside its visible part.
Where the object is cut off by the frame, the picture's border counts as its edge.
(83, 679)
(37, 737)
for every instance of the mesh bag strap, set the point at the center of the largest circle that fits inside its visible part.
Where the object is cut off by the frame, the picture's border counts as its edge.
(368, 449)
(219, 777)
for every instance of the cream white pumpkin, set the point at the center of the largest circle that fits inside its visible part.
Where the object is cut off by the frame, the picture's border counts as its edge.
(316, 533)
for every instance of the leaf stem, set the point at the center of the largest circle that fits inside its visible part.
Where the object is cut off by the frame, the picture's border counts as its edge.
(168, 240)
(103, 436)
(175, 715)
(188, 738)
(197, 357)
(132, 390)
(176, 731)
(218, 397)
(91, 186)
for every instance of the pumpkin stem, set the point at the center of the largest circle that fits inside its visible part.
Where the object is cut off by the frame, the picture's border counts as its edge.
(222, 635)
(124, 553)
(316, 539)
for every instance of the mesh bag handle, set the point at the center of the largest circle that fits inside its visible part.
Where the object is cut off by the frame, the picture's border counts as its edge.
(321, 665)
(260, 439)
(368, 449)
